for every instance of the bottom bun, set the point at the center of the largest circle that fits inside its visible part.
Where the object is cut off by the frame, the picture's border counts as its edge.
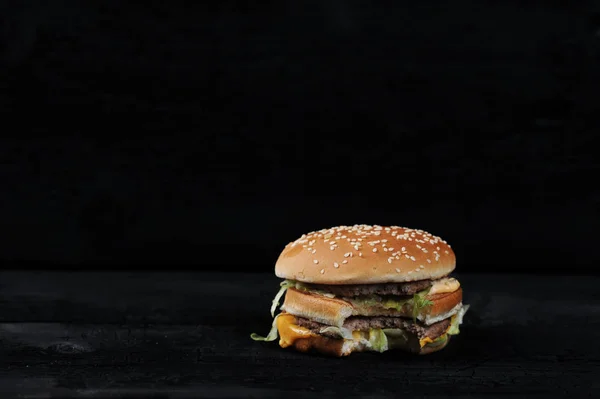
(303, 340)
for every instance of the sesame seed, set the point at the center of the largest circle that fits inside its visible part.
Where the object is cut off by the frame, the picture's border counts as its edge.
(336, 265)
(332, 247)
(412, 258)
(391, 249)
(389, 260)
(322, 271)
(360, 254)
(314, 250)
(374, 249)
(428, 260)
(446, 252)
(403, 249)
(345, 261)
(384, 240)
(397, 270)
(356, 247)
(347, 254)
(315, 261)
(385, 249)
(422, 267)
(418, 246)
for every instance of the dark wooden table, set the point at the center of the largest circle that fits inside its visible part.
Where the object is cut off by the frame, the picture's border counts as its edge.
(171, 335)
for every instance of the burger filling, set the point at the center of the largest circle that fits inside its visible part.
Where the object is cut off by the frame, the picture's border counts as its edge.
(361, 290)
(373, 325)
(360, 323)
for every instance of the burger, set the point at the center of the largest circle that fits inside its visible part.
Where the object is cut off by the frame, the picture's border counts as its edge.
(366, 288)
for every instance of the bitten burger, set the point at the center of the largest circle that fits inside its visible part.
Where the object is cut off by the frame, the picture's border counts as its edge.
(366, 288)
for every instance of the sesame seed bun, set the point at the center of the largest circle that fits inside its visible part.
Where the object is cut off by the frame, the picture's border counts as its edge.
(364, 254)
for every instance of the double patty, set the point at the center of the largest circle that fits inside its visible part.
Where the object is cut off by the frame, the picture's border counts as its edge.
(362, 323)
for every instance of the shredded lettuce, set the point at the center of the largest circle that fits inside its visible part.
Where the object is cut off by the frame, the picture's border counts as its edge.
(303, 287)
(285, 284)
(378, 340)
(341, 332)
(457, 321)
(420, 303)
(272, 336)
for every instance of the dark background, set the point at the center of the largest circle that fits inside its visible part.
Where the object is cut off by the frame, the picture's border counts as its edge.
(208, 136)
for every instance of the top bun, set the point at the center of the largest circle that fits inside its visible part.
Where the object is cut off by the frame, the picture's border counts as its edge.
(364, 254)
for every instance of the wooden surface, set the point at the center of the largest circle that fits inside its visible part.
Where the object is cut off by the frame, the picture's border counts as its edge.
(187, 335)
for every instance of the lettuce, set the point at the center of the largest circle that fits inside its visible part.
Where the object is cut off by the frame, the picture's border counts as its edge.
(457, 321)
(285, 284)
(378, 340)
(303, 287)
(341, 332)
(420, 303)
(272, 336)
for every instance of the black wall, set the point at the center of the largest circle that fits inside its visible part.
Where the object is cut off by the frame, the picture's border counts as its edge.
(209, 136)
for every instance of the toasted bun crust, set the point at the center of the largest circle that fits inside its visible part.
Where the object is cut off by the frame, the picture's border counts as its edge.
(331, 311)
(363, 254)
(334, 311)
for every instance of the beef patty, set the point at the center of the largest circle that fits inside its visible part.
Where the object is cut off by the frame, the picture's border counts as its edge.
(363, 323)
(400, 289)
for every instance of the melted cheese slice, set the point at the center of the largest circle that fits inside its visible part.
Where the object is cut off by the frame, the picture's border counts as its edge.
(444, 286)
(290, 332)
